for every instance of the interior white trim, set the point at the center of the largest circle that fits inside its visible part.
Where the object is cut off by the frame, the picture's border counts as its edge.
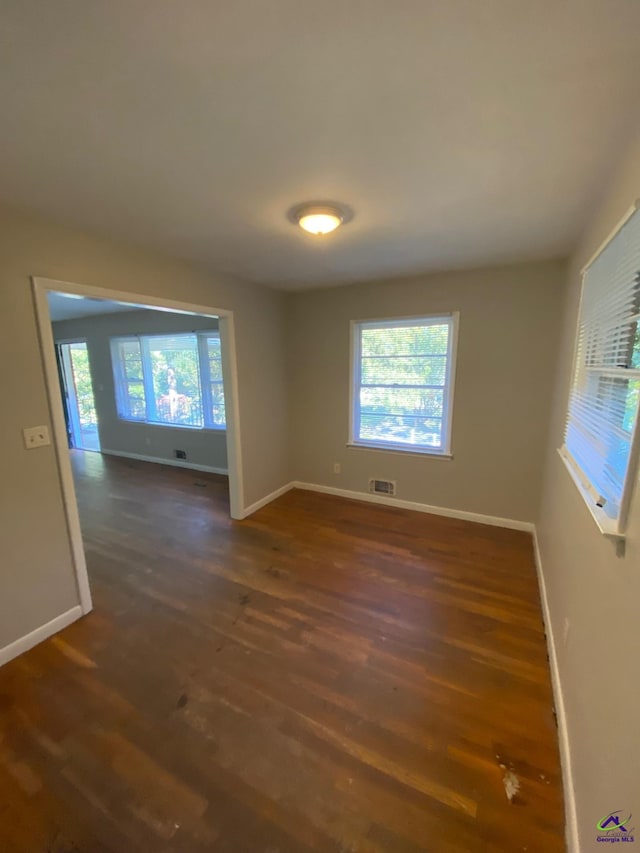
(160, 460)
(60, 443)
(45, 631)
(227, 330)
(41, 287)
(409, 450)
(254, 507)
(571, 817)
(355, 379)
(607, 526)
(479, 518)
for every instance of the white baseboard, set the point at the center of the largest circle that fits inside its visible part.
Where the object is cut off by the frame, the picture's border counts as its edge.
(160, 460)
(493, 520)
(254, 507)
(45, 631)
(571, 816)
(478, 518)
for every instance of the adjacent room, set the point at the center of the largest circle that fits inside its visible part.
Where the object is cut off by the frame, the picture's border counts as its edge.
(145, 386)
(140, 383)
(321, 344)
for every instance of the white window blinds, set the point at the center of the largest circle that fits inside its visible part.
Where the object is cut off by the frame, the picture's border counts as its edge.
(603, 404)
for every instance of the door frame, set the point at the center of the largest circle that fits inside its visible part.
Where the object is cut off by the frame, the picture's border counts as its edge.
(41, 287)
(70, 390)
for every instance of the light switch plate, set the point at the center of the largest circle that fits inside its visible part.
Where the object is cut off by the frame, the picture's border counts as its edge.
(36, 437)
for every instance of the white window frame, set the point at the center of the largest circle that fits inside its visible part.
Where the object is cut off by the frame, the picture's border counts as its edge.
(204, 376)
(444, 452)
(612, 527)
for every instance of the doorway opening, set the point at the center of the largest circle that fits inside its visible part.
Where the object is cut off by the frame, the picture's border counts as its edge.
(77, 395)
(149, 379)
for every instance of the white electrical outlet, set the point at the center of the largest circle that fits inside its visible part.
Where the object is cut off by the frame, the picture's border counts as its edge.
(336, 468)
(35, 437)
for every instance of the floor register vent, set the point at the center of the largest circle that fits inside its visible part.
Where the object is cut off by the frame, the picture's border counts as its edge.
(382, 487)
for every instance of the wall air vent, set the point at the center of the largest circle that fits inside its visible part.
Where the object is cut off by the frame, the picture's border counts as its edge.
(382, 487)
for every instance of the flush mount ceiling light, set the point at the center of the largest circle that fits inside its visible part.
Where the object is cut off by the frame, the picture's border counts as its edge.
(318, 219)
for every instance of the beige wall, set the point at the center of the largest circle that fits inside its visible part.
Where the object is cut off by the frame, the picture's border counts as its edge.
(509, 324)
(596, 592)
(36, 580)
(203, 446)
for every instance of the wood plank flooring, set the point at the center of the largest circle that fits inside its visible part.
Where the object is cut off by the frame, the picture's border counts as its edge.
(326, 675)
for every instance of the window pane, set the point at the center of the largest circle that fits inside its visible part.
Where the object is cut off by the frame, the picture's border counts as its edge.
(215, 369)
(635, 353)
(176, 379)
(401, 401)
(215, 374)
(403, 429)
(136, 401)
(217, 404)
(215, 358)
(131, 360)
(404, 370)
(131, 396)
(406, 340)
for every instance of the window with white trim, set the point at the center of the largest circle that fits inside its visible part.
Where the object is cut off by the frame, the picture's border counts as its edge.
(600, 442)
(402, 393)
(175, 380)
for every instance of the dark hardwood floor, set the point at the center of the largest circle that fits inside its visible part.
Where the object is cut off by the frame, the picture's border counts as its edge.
(327, 675)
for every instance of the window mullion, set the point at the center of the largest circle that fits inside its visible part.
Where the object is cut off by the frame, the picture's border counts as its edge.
(205, 381)
(117, 358)
(147, 379)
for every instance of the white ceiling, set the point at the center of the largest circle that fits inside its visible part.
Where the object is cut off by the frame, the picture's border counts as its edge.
(461, 133)
(64, 307)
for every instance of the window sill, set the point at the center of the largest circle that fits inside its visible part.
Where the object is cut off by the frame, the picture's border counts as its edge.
(405, 451)
(171, 426)
(606, 525)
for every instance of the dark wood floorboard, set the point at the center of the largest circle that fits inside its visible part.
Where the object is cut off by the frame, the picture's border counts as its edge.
(326, 675)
